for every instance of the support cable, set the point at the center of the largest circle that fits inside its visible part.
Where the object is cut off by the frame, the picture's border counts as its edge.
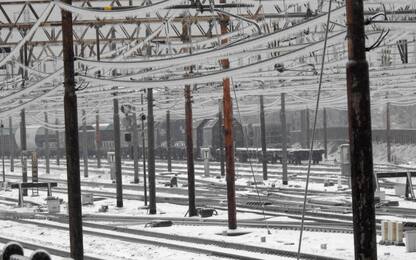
(314, 130)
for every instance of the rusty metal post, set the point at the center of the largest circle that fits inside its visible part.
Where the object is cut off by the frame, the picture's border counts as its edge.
(189, 151)
(58, 147)
(228, 134)
(221, 136)
(117, 152)
(168, 142)
(142, 118)
(388, 139)
(359, 114)
(98, 139)
(325, 131)
(284, 138)
(85, 143)
(263, 138)
(71, 139)
(23, 147)
(47, 145)
(151, 154)
(135, 135)
(11, 136)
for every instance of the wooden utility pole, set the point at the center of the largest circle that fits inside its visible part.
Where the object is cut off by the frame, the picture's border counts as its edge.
(23, 147)
(85, 143)
(228, 133)
(388, 139)
(47, 145)
(359, 114)
(151, 154)
(186, 28)
(142, 118)
(11, 144)
(117, 152)
(168, 142)
(98, 139)
(263, 138)
(325, 134)
(284, 138)
(135, 137)
(71, 139)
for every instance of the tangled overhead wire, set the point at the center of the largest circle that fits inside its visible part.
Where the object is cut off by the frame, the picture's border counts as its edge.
(383, 33)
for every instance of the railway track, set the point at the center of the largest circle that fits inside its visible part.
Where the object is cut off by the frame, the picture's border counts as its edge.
(185, 243)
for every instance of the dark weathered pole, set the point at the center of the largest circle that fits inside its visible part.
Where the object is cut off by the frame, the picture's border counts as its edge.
(151, 154)
(359, 115)
(85, 143)
(168, 142)
(47, 145)
(98, 139)
(284, 138)
(189, 152)
(142, 118)
(135, 135)
(117, 151)
(2, 151)
(71, 139)
(23, 147)
(263, 138)
(388, 139)
(307, 126)
(221, 136)
(325, 134)
(58, 146)
(11, 144)
(228, 133)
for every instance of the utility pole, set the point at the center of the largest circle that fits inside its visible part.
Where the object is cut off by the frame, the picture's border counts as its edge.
(221, 136)
(47, 145)
(359, 115)
(11, 136)
(228, 133)
(151, 155)
(186, 28)
(325, 134)
(142, 118)
(98, 138)
(71, 139)
(24, 147)
(117, 149)
(135, 137)
(263, 139)
(284, 138)
(388, 140)
(168, 142)
(85, 143)
(58, 148)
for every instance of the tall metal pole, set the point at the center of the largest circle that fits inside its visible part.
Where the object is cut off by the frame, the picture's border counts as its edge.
(151, 154)
(117, 150)
(189, 152)
(228, 134)
(144, 153)
(2, 151)
(221, 136)
(85, 143)
(325, 134)
(98, 139)
(58, 147)
(359, 115)
(47, 145)
(263, 138)
(168, 141)
(23, 147)
(11, 136)
(284, 138)
(135, 149)
(71, 139)
(388, 140)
